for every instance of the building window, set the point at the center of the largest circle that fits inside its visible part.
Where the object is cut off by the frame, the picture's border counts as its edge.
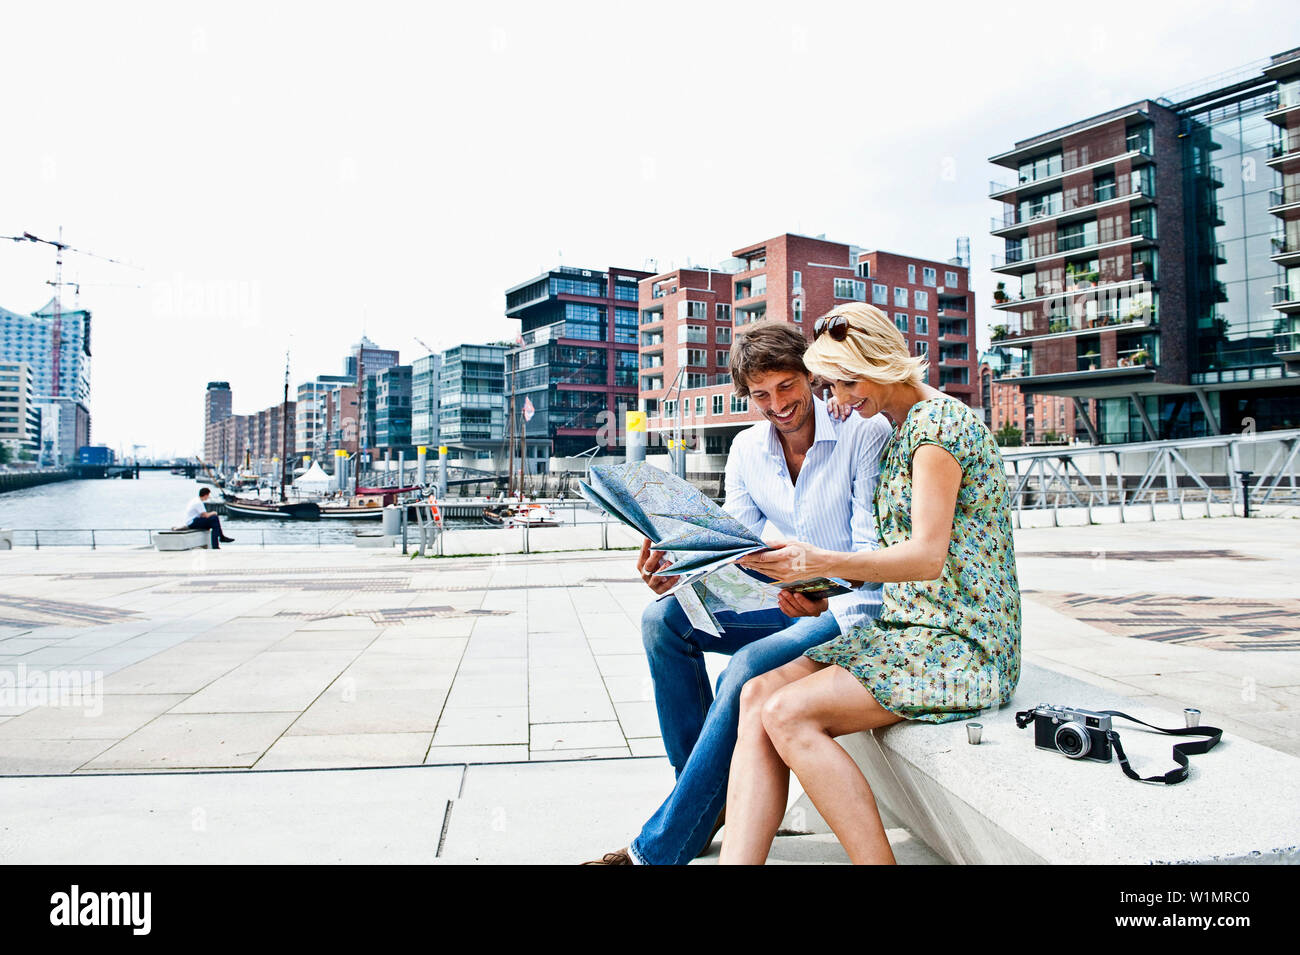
(724, 358)
(699, 406)
(798, 310)
(693, 356)
(911, 275)
(864, 269)
(922, 348)
(921, 300)
(950, 280)
(670, 408)
(929, 276)
(723, 313)
(900, 297)
(796, 281)
(922, 325)
(696, 379)
(692, 310)
(717, 404)
(695, 334)
(722, 336)
(900, 320)
(851, 289)
(739, 405)
(879, 294)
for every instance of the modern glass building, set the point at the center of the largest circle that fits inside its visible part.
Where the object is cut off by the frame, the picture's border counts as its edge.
(577, 358)
(424, 402)
(393, 408)
(471, 403)
(54, 343)
(1144, 262)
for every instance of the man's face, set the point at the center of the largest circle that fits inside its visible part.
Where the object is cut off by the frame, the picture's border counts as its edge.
(784, 397)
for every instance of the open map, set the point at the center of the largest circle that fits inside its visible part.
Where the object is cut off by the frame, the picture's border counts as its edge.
(701, 539)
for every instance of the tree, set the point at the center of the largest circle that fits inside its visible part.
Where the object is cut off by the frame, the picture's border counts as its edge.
(1008, 436)
(6, 452)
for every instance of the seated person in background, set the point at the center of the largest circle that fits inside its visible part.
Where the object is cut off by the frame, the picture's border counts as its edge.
(198, 517)
(812, 478)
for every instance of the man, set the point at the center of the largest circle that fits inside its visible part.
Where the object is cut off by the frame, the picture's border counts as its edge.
(198, 517)
(813, 479)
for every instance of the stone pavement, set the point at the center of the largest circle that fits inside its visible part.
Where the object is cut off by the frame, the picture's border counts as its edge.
(297, 659)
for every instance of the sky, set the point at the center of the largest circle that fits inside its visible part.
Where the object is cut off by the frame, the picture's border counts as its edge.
(284, 178)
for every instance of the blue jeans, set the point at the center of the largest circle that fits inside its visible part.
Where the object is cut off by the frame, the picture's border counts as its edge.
(700, 737)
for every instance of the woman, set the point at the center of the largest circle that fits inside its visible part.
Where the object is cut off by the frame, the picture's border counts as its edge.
(947, 642)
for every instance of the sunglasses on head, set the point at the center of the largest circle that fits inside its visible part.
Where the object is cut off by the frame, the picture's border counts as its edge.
(837, 326)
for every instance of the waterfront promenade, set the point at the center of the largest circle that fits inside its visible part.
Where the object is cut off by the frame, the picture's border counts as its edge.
(508, 696)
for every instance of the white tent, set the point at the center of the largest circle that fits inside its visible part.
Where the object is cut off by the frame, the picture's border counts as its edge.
(313, 479)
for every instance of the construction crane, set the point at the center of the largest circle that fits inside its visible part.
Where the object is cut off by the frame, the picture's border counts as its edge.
(423, 345)
(56, 331)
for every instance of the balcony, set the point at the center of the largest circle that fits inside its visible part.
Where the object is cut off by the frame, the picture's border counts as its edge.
(1285, 252)
(1214, 253)
(1286, 345)
(1281, 154)
(1137, 151)
(1012, 222)
(1080, 284)
(1286, 297)
(1286, 107)
(692, 335)
(652, 316)
(1213, 212)
(1034, 325)
(1284, 200)
(1018, 263)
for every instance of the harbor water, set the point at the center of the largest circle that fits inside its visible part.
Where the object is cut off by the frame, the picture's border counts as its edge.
(118, 513)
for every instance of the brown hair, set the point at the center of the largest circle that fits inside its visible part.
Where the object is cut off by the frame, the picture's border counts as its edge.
(765, 347)
(204, 491)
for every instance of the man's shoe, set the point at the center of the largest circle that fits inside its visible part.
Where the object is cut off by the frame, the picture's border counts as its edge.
(722, 818)
(620, 857)
(227, 540)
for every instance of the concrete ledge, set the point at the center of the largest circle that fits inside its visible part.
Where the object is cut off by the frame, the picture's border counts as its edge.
(6, 540)
(1006, 801)
(186, 539)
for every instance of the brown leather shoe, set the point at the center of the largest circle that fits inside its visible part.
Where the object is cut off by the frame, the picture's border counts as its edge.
(613, 858)
(718, 824)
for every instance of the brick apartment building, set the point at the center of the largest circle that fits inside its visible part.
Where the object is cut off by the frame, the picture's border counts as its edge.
(689, 317)
(1145, 268)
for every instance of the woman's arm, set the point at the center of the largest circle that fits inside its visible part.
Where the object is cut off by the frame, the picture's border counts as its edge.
(936, 479)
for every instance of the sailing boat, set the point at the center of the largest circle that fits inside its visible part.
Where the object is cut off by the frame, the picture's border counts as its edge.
(283, 508)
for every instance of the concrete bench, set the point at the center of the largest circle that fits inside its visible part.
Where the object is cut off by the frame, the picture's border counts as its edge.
(1006, 801)
(181, 539)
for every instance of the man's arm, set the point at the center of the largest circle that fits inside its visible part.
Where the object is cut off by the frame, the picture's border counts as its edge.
(739, 503)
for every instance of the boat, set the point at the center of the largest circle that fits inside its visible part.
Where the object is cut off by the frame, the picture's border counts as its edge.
(520, 515)
(285, 510)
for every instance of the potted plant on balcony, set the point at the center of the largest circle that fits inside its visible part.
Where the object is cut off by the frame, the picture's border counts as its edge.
(1059, 325)
(1000, 293)
(999, 332)
(1141, 357)
(1091, 357)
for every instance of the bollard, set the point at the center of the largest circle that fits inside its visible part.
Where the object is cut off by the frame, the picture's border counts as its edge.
(264, 539)
(604, 534)
(1088, 507)
(1209, 495)
(1182, 493)
(1119, 495)
(526, 551)
(1245, 491)
(92, 538)
(1152, 501)
(405, 521)
(38, 540)
(1056, 517)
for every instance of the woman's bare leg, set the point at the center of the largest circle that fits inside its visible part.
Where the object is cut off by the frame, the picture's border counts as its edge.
(802, 720)
(759, 783)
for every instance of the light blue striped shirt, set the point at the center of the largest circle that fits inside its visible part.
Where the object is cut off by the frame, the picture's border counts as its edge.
(830, 505)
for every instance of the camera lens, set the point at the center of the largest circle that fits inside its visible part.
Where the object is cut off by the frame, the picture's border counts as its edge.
(1073, 740)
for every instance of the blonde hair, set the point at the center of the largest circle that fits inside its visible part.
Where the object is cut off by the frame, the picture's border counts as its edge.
(873, 350)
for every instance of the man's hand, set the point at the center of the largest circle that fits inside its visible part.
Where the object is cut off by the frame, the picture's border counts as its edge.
(647, 563)
(797, 605)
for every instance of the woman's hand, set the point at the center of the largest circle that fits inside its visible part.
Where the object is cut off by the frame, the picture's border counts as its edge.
(837, 410)
(786, 560)
(797, 605)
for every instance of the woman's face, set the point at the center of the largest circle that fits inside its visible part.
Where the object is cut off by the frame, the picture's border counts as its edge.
(867, 398)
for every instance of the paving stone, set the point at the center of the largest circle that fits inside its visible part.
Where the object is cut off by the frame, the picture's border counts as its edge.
(195, 740)
(592, 735)
(362, 749)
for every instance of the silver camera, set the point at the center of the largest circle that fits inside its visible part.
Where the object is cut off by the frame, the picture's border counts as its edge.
(1079, 734)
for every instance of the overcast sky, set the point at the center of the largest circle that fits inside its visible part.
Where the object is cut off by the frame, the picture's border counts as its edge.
(289, 176)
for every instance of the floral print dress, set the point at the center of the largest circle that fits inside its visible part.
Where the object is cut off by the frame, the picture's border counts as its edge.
(942, 649)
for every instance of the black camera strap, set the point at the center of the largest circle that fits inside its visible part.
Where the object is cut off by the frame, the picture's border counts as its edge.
(1181, 750)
